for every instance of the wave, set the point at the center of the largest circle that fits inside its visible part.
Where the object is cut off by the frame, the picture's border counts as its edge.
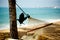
(4, 26)
(7, 26)
(52, 20)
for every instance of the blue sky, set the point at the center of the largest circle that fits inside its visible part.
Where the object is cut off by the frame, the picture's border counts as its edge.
(33, 3)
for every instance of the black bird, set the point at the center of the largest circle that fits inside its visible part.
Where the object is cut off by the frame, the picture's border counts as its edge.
(22, 18)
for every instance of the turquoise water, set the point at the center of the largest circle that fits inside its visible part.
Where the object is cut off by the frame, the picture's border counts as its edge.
(38, 13)
(43, 13)
(4, 15)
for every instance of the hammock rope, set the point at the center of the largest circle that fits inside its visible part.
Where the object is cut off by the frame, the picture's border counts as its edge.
(21, 9)
(30, 19)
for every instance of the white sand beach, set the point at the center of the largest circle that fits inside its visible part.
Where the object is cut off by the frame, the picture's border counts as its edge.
(47, 32)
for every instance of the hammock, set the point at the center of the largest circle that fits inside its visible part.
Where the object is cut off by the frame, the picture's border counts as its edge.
(32, 21)
(35, 21)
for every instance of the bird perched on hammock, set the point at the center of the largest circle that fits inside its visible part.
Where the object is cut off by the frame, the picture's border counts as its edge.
(22, 18)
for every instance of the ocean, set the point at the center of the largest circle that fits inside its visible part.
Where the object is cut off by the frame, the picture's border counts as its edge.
(46, 14)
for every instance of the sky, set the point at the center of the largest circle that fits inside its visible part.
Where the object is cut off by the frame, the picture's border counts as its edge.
(33, 3)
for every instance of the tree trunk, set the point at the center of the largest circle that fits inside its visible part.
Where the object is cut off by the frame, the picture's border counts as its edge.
(13, 23)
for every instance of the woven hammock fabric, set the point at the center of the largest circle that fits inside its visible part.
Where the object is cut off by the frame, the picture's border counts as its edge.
(34, 21)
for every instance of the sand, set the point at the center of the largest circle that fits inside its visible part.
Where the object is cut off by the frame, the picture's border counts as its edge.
(5, 34)
(51, 32)
(48, 32)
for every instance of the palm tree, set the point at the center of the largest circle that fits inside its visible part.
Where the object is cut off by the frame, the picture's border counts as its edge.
(13, 23)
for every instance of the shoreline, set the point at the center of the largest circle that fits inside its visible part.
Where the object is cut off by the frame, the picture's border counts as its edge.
(21, 31)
